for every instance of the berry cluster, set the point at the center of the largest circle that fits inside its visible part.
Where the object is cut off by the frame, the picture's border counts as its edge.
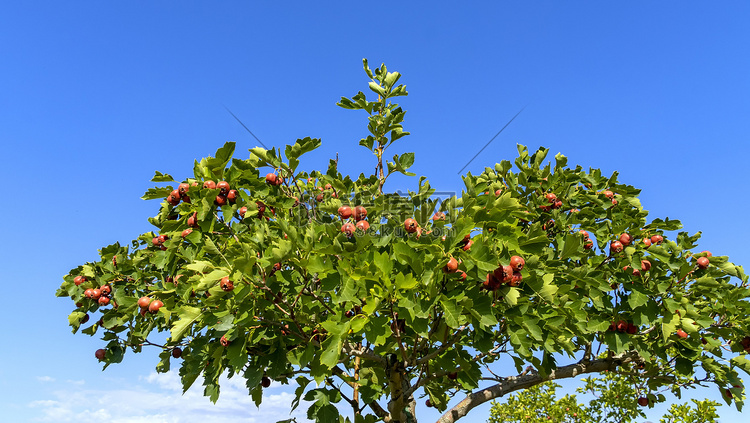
(554, 203)
(623, 327)
(102, 295)
(509, 274)
(147, 304)
(359, 213)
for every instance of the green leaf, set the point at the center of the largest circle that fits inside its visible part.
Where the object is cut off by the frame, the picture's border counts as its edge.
(452, 313)
(188, 315)
(162, 177)
(332, 349)
(405, 281)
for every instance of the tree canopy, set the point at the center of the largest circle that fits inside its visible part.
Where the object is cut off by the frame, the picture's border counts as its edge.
(371, 300)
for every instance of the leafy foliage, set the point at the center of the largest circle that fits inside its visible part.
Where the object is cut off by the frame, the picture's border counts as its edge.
(614, 401)
(252, 276)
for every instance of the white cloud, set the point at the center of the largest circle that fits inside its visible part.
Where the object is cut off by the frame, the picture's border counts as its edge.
(158, 399)
(45, 379)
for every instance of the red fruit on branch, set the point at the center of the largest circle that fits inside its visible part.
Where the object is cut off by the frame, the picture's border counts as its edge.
(105, 290)
(707, 253)
(643, 401)
(517, 263)
(193, 220)
(173, 198)
(183, 188)
(144, 302)
(220, 200)
(363, 225)
(100, 354)
(410, 225)
(209, 185)
(615, 247)
(232, 196)
(226, 285)
(452, 266)
(155, 306)
(584, 233)
(608, 194)
(265, 382)
(438, 216)
(551, 197)
(348, 229)
(359, 213)
(468, 245)
(703, 262)
(271, 178)
(515, 279)
(626, 239)
(223, 187)
(345, 212)
(103, 301)
(656, 239)
(645, 265)
(177, 352)
(78, 280)
(224, 341)
(681, 333)
(186, 232)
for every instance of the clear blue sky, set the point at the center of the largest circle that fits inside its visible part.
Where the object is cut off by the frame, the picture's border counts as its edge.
(95, 96)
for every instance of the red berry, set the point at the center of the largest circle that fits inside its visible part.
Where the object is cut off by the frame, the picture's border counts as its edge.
(220, 200)
(225, 284)
(360, 213)
(348, 229)
(186, 232)
(224, 341)
(468, 245)
(193, 220)
(517, 263)
(79, 280)
(345, 212)
(265, 382)
(703, 262)
(615, 247)
(657, 239)
(645, 265)
(177, 352)
(707, 253)
(209, 185)
(681, 333)
(144, 302)
(643, 401)
(232, 196)
(105, 289)
(103, 301)
(452, 265)
(626, 239)
(223, 187)
(155, 306)
(608, 194)
(100, 354)
(271, 178)
(646, 243)
(363, 225)
(242, 212)
(183, 188)
(515, 279)
(410, 225)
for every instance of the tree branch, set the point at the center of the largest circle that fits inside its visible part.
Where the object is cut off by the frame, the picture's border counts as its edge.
(515, 383)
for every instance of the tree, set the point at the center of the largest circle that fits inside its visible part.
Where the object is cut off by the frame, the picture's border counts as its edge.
(613, 402)
(372, 300)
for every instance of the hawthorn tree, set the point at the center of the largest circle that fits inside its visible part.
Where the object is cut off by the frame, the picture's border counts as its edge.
(373, 300)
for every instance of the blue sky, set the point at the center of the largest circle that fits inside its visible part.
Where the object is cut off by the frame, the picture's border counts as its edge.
(95, 96)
